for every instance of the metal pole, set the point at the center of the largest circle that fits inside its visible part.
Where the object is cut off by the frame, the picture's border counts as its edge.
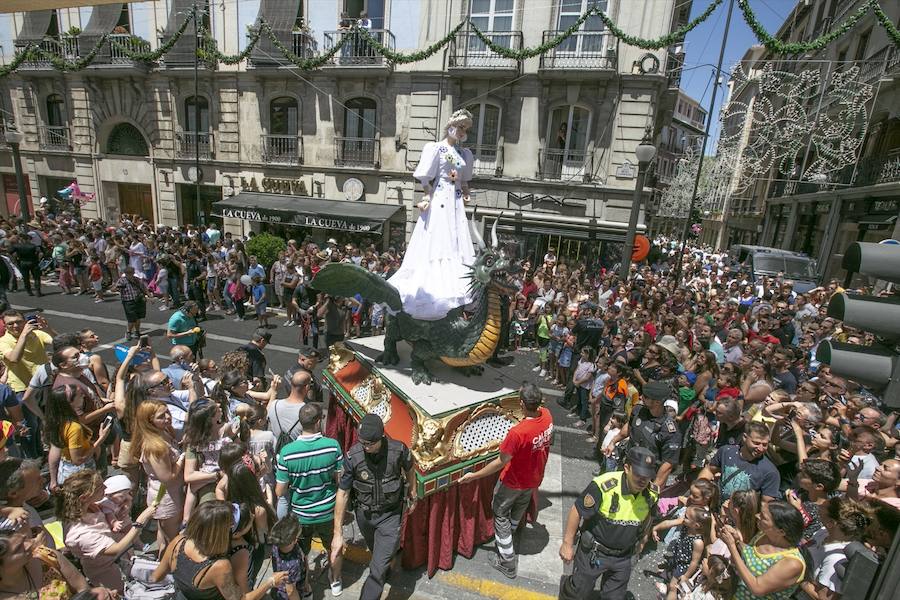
(628, 250)
(712, 106)
(196, 115)
(20, 184)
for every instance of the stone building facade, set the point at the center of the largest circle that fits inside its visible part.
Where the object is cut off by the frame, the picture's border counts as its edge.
(352, 130)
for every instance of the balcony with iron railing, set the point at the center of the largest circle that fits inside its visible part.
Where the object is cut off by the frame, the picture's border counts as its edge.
(872, 170)
(674, 67)
(183, 55)
(356, 50)
(357, 152)
(468, 51)
(266, 56)
(303, 45)
(187, 142)
(54, 137)
(65, 48)
(583, 51)
(488, 160)
(121, 45)
(565, 165)
(282, 149)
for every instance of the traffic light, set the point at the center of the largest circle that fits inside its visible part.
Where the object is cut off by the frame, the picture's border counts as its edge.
(876, 366)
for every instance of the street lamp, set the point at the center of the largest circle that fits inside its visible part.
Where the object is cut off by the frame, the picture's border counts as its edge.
(14, 137)
(645, 152)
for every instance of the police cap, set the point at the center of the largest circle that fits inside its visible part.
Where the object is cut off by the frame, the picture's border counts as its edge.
(657, 390)
(643, 462)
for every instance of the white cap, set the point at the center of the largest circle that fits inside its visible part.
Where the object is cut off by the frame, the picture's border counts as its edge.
(116, 483)
(673, 404)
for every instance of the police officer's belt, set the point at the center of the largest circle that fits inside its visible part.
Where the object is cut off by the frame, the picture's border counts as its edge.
(599, 548)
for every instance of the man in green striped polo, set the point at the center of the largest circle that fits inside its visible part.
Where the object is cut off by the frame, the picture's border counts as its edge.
(307, 472)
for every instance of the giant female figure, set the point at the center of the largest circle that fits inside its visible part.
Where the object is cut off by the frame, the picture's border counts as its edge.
(433, 277)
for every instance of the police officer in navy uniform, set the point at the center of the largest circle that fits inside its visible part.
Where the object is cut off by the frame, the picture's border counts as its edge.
(378, 471)
(613, 515)
(652, 428)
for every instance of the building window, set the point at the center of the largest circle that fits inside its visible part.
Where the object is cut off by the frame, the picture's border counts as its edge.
(862, 45)
(55, 111)
(191, 105)
(566, 148)
(492, 15)
(359, 118)
(283, 116)
(373, 9)
(124, 23)
(484, 137)
(125, 139)
(588, 39)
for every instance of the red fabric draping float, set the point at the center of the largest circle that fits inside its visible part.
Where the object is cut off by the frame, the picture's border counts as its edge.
(443, 524)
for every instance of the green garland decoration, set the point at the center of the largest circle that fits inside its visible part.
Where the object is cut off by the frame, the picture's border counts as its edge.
(886, 22)
(664, 41)
(209, 49)
(68, 66)
(210, 53)
(157, 54)
(537, 50)
(305, 64)
(19, 57)
(777, 46)
(398, 58)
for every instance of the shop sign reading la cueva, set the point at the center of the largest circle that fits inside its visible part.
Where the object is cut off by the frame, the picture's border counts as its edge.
(296, 219)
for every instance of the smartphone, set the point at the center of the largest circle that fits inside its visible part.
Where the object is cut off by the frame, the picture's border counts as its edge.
(144, 341)
(108, 421)
(31, 318)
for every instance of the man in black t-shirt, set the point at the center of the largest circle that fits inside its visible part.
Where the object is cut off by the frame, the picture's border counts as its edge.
(28, 257)
(254, 352)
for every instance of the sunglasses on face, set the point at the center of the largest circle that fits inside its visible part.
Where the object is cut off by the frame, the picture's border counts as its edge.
(165, 381)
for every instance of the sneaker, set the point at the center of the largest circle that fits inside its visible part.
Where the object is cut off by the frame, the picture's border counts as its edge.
(537, 368)
(592, 440)
(288, 323)
(98, 300)
(337, 588)
(578, 424)
(127, 336)
(508, 568)
(162, 308)
(238, 319)
(543, 373)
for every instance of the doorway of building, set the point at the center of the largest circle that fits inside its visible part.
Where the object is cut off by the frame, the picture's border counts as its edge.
(136, 199)
(11, 192)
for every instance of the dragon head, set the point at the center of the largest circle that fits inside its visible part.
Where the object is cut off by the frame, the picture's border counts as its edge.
(492, 267)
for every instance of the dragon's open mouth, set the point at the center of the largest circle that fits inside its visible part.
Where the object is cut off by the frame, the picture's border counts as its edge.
(502, 279)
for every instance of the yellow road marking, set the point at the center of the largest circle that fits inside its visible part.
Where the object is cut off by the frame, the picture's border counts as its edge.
(491, 589)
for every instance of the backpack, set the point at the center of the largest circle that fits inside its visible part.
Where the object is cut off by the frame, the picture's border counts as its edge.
(41, 392)
(284, 437)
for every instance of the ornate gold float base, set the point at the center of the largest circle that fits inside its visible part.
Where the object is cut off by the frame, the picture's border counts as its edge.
(452, 427)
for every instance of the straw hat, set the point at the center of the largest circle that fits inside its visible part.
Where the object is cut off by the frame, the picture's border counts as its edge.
(671, 345)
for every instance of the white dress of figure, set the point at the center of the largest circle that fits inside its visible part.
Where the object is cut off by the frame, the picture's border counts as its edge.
(433, 278)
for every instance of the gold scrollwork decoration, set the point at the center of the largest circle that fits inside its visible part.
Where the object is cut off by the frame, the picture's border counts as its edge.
(373, 396)
(339, 357)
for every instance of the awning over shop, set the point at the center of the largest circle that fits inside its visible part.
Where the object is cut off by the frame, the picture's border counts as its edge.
(303, 211)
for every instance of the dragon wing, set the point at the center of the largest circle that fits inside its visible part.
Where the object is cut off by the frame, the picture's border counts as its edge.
(347, 279)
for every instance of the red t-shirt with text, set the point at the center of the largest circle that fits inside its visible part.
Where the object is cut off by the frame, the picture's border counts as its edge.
(528, 442)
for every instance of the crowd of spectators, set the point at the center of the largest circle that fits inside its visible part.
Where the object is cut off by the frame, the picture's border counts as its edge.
(774, 470)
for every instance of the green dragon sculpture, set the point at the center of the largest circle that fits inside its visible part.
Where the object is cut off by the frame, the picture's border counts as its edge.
(465, 338)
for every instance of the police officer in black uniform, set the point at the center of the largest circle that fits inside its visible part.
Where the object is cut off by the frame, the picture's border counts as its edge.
(378, 471)
(613, 514)
(652, 428)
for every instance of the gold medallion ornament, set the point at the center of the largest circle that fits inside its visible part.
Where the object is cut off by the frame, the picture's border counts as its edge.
(364, 475)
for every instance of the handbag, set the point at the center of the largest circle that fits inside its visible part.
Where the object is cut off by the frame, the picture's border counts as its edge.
(139, 586)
